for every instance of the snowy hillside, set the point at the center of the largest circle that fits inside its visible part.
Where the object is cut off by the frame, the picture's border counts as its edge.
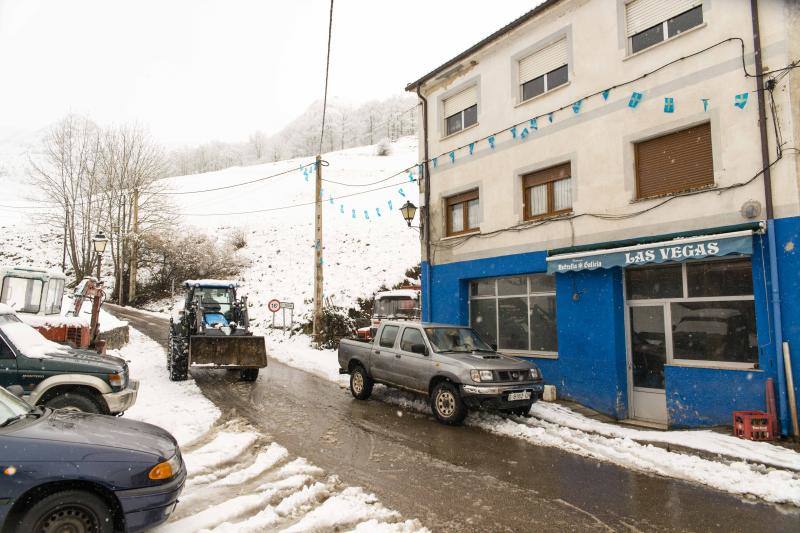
(360, 253)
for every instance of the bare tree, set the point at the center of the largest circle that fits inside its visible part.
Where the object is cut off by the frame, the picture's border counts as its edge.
(131, 167)
(67, 175)
(257, 141)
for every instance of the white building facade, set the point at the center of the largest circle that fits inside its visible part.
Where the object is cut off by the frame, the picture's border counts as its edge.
(596, 201)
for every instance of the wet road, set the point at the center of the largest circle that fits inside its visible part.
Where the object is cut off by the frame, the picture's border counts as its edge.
(463, 478)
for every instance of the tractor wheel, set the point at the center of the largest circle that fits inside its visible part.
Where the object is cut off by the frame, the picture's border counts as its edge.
(248, 374)
(178, 361)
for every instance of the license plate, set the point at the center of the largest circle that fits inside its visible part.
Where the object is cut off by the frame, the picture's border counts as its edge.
(516, 396)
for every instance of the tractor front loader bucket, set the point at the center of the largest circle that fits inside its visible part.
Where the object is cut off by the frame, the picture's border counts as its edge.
(231, 351)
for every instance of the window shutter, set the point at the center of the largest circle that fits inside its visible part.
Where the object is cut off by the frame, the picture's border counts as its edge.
(460, 101)
(643, 14)
(549, 58)
(547, 175)
(676, 162)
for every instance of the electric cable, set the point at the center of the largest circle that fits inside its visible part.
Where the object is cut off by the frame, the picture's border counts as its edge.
(327, 71)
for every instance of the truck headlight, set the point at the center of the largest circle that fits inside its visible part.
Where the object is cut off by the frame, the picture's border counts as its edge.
(481, 375)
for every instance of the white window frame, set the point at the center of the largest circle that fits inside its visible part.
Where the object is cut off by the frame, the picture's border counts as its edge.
(666, 303)
(496, 297)
(664, 28)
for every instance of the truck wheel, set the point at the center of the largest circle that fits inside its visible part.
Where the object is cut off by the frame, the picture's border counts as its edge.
(360, 383)
(248, 374)
(178, 364)
(447, 405)
(75, 402)
(69, 510)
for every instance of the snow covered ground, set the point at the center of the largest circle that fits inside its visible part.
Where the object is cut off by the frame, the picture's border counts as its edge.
(237, 479)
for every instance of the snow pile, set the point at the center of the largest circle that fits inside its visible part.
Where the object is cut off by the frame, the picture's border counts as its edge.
(53, 321)
(178, 407)
(237, 480)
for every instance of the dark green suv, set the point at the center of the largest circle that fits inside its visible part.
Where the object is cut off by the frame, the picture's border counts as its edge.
(61, 377)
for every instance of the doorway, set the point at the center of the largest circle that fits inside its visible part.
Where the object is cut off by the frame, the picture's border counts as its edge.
(647, 355)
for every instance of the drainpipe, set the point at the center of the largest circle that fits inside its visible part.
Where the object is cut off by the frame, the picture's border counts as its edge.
(772, 246)
(426, 230)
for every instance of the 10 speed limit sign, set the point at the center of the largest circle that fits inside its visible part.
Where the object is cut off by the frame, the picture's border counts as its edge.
(274, 306)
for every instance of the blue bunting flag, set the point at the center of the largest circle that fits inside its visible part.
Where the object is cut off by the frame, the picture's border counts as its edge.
(491, 141)
(705, 104)
(669, 105)
(635, 99)
(741, 100)
(576, 107)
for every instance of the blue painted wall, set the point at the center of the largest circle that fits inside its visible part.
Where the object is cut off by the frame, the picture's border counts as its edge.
(591, 366)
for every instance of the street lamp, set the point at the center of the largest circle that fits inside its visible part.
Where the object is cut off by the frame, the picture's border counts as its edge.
(408, 210)
(99, 242)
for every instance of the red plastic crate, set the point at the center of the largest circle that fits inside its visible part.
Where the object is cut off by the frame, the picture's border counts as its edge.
(754, 425)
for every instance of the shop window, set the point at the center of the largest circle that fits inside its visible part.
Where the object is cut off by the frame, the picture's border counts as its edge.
(703, 311)
(547, 192)
(674, 163)
(462, 213)
(516, 313)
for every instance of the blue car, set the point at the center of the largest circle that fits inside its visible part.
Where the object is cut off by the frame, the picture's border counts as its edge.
(79, 472)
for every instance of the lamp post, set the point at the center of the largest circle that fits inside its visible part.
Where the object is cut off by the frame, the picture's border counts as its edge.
(99, 242)
(408, 210)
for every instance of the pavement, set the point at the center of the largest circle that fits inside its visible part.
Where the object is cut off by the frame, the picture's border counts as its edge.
(463, 478)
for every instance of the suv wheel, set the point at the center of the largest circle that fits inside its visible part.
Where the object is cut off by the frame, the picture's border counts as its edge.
(75, 402)
(360, 383)
(447, 405)
(72, 510)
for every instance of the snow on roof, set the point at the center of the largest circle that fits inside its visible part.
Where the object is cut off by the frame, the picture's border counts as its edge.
(53, 321)
(41, 271)
(210, 283)
(398, 293)
(30, 342)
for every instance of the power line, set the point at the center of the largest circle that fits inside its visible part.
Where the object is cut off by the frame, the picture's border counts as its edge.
(239, 184)
(291, 206)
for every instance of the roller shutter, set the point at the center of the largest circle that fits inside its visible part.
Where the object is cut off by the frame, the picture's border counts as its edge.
(676, 162)
(643, 14)
(461, 101)
(549, 58)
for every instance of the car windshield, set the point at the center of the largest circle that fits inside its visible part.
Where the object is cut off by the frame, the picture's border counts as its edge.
(456, 340)
(11, 406)
(395, 306)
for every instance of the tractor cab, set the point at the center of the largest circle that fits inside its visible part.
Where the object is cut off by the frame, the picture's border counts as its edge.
(213, 331)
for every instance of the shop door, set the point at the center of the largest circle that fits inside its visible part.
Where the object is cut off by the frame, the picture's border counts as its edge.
(647, 354)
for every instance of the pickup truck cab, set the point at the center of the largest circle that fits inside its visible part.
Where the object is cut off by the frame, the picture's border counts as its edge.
(57, 376)
(450, 364)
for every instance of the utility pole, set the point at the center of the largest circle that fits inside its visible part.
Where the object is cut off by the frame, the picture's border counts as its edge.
(134, 255)
(318, 252)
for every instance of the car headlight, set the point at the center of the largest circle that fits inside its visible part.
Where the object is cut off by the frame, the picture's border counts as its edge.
(117, 380)
(167, 469)
(535, 373)
(481, 375)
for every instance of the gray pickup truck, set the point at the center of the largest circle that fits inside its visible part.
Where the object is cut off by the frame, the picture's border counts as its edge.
(450, 364)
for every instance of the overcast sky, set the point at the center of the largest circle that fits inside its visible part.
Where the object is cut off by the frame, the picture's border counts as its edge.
(199, 70)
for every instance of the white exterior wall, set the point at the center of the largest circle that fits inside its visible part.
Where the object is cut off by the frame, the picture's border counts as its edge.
(599, 140)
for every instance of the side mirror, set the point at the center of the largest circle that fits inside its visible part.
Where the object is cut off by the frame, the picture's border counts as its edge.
(419, 349)
(16, 390)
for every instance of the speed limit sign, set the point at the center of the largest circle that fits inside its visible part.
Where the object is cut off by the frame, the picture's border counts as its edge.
(274, 306)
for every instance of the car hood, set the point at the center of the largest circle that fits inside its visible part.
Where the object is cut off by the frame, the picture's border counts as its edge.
(100, 430)
(489, 361)
(90, 360)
